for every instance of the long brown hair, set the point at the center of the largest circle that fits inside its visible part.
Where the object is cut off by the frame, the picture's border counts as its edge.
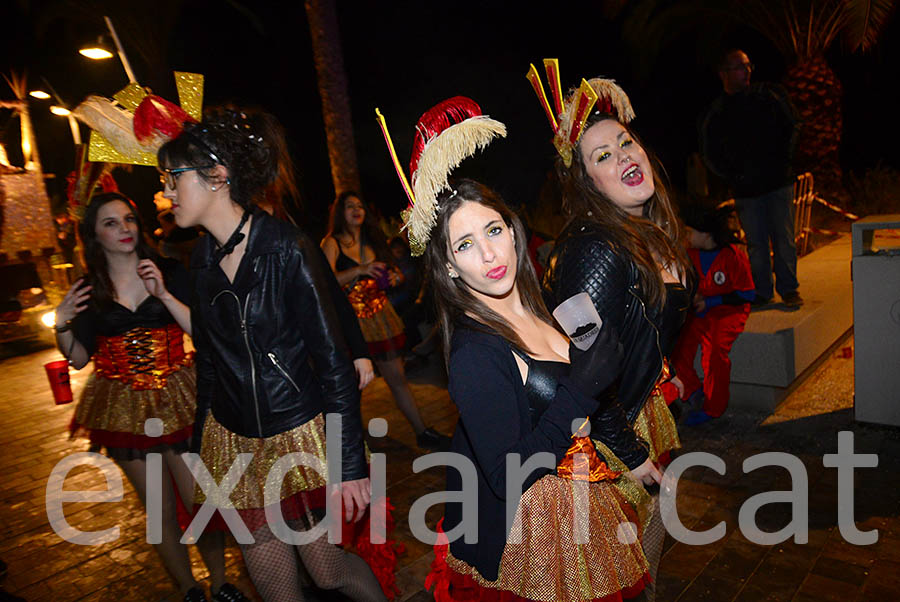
(104, 290)
(370, 234)
(452, 297)
(655, 236)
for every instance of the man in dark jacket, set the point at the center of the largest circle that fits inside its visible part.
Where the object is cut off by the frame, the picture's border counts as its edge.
(748, 137)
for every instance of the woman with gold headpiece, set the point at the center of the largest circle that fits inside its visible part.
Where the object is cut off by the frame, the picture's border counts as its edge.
(521, 391)
(129, 314)
(621, 246)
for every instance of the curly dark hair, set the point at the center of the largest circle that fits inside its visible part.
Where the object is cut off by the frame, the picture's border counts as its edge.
(245, 142)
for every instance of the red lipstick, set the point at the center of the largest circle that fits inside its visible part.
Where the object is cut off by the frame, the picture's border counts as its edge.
(126, 239)
(633, 176)
(497, 273)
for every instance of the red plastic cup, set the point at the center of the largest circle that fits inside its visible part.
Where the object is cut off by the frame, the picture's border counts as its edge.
(58, 375)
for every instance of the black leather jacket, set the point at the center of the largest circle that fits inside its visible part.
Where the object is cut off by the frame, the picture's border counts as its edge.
(271, 354)
(584, 260)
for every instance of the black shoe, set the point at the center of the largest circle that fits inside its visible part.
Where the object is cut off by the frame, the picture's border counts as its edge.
(195, 594)
(792, 300)
(759, 301)
(431, 439)
(229, 593)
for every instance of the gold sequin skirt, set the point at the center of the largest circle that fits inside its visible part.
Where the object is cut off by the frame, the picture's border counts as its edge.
(112, 414)
(634, 492)
(549, 566)
(302, 488)
(656, 425)
(383, 332)
(220, 448)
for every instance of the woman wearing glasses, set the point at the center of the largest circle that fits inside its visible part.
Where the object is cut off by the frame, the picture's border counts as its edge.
(129, 315)
(271, 357)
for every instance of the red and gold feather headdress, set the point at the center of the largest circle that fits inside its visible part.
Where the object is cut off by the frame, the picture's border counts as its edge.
(135, 124)
(567, 118)
(446, 134)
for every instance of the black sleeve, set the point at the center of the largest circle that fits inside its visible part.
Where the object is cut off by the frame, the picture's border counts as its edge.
(482, 385)
(714, 146)
(788, 117)
(610, 425)
(206, 372)
(346, 316)
(590, 264)
(310, 291)
(84, 328)
(178, 279)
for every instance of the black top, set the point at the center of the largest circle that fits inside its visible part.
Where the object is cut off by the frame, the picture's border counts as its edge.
(748, 138)
(117, 319)
(344, 261)
(541, 382)
(495, 420)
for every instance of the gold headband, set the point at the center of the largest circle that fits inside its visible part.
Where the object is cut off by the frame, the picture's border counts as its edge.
(567, 119)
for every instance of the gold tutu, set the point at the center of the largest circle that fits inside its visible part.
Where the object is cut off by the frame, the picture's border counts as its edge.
(548, 565)
(633, 492)
(220, 448)
(381, 326)
(656, 426)
(112, 406)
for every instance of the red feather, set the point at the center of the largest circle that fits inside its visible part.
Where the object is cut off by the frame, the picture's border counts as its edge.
(437, 119)
(157, 118)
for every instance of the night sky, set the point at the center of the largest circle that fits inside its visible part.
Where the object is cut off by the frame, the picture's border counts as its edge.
(404, 57)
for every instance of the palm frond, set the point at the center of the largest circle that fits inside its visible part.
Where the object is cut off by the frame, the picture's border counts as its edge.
(865, 20)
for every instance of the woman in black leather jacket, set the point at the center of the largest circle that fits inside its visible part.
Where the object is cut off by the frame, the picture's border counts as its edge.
(622, 247)
(271, 358)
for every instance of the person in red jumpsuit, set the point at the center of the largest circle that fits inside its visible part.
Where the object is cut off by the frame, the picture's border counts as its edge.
(721, 307)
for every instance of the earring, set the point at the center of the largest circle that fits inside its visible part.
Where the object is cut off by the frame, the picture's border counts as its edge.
(213, 188)
(452, 273)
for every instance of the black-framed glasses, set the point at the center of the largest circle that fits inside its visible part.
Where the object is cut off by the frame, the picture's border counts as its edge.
(169, 176)
(741, 67)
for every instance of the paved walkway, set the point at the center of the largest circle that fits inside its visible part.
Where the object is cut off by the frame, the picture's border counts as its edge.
(44, 567)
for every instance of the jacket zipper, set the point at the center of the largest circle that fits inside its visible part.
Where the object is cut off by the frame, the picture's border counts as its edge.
(281, 369)
(243, 316)
(658, 350)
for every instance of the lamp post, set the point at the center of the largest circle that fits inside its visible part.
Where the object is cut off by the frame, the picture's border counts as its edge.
(99, 53)
(60, 109)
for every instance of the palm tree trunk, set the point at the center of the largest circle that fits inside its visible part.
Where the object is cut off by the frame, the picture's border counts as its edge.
(326, 42)
(817, 94)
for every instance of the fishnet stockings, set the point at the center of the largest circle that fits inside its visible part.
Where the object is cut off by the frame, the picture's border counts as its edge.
(652, 542)
(273, 566)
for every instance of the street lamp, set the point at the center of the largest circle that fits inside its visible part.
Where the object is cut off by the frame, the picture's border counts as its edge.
(98, 51)
(60, 109)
